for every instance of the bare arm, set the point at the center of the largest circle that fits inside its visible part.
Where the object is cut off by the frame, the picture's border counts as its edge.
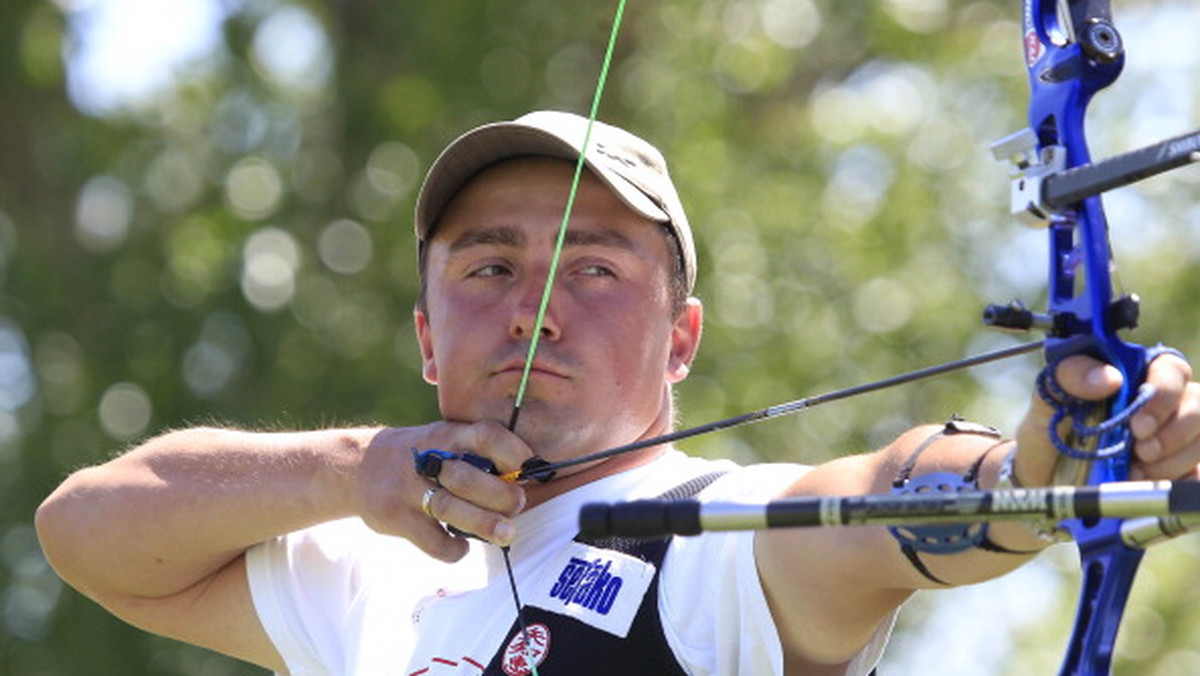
(829, 589)
(157, 536)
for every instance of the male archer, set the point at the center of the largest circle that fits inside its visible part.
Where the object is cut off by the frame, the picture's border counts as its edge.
(328, 552)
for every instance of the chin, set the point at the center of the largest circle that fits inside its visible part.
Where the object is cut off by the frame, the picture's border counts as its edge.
(555, 444)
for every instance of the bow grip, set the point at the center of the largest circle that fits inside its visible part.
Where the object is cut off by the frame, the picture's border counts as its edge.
(1128, 358)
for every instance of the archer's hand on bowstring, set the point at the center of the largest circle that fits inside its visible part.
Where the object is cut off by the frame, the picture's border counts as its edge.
(1166, 431)
(394, 499)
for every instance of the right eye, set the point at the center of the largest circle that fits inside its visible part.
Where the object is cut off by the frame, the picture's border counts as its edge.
(490, 270)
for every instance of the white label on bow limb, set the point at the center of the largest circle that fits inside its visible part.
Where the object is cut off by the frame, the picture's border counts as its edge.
(599, 587)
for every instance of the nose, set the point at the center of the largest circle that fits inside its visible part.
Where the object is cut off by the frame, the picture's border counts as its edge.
(528, 307)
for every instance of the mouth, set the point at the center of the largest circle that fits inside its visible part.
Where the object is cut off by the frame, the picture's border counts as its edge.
(539, 368)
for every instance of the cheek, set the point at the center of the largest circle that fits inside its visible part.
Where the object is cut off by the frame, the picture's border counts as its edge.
(449, 337)
(644, 349)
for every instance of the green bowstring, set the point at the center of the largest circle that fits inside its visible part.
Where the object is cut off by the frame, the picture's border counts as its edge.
(545, 302)
(562, 228)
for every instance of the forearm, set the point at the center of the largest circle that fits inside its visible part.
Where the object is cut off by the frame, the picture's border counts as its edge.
(974, 458)
(830, 588)
(173, 511)
(987, 550)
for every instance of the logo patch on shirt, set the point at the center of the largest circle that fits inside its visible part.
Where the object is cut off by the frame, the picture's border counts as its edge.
(520, 651)
(600, 587)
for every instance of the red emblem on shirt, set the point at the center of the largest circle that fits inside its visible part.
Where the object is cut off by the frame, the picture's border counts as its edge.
(520, 651)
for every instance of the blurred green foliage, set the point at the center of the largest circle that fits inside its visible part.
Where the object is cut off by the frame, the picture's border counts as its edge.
(234, 246)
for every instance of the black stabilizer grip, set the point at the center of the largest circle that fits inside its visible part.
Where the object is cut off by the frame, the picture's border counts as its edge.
(1184, 497)
(640, 518)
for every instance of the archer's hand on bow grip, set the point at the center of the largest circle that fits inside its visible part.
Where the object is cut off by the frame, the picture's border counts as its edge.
(1166, 430)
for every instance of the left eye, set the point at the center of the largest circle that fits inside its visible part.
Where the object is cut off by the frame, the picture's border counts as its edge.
(596, 271)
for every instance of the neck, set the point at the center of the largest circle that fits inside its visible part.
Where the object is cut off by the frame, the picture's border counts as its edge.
(536, 493)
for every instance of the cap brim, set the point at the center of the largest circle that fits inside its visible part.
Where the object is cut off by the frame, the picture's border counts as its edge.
(484, 146)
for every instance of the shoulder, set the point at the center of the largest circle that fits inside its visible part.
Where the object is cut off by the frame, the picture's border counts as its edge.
(754, 481)
(733, 480)
(728, 628)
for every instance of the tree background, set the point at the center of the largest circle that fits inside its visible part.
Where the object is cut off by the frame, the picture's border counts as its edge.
(224, 236)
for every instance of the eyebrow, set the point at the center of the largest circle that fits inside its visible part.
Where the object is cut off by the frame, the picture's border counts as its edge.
(508, 236)
(502, 235)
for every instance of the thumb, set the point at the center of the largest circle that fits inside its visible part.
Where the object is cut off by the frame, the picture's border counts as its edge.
(1087, 378)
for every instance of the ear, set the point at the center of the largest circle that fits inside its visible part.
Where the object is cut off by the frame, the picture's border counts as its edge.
(425, 340)
(685, 340)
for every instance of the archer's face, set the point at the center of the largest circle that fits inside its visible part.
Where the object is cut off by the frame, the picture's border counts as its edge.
(609, 347)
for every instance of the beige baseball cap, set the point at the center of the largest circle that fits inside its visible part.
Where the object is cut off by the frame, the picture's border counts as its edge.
(635, 170)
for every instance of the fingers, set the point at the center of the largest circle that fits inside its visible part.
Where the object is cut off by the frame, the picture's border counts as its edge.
(394, 498)
(493, 441)
(438, 517)
(1166, 430)
(1179, 464)
(429, 535)
(474, 501)
(484, 490)
(1169, 420)
(400, 506)
(443, 506)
